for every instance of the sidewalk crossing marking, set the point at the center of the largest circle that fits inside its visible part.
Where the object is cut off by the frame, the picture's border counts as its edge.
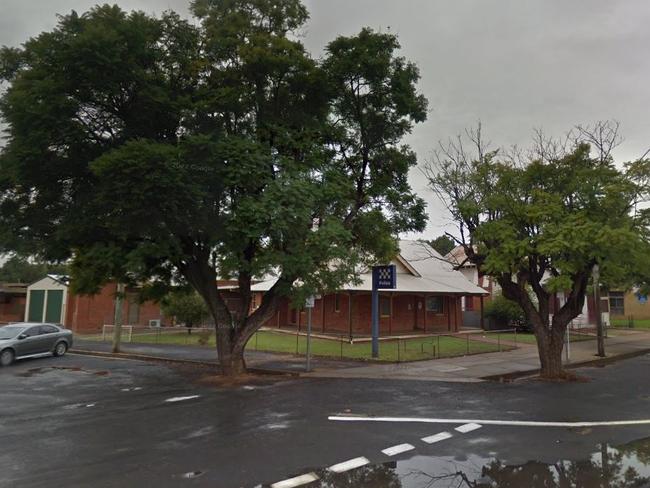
(441, 436)
(398, 449)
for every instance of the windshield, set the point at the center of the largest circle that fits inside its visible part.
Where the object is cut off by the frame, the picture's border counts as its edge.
(10, 331)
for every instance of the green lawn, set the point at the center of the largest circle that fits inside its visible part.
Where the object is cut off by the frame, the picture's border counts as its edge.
(389, 350)
(636, 323)
(528, 338)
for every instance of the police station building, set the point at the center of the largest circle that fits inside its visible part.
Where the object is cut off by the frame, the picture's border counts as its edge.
(427, 299)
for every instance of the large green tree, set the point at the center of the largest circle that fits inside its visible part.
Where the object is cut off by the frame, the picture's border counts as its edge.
(159, 150)
(538, 224)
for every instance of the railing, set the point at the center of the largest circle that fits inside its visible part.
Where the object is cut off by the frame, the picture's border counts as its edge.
(630, 322)
(392, 349)
(156, 335)
(108, 330)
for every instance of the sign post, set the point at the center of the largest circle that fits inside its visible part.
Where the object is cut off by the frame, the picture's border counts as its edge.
(383, 278)
(309, 305)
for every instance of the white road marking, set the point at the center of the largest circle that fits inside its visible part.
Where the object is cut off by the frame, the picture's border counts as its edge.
(464, 429)
(297, 481)
(516, 423)
(181, 399)
(441, 436)
(348, 465)
(399, 449)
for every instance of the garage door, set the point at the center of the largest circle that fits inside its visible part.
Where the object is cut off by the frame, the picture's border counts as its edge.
(54, 306)
(36, 303)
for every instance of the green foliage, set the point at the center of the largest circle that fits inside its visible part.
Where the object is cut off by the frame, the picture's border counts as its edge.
(166, 151)
(186, 306)
(442, 244)
(505, 313)
(18, 269)
(539, 225)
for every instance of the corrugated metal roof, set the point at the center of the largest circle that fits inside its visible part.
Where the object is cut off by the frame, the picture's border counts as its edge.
(437, 276)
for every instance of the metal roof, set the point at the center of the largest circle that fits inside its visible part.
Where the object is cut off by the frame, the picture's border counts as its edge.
(420, 269)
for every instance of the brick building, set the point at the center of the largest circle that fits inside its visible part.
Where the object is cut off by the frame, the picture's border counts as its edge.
(428, 299)
(13, 297)
(51, 300)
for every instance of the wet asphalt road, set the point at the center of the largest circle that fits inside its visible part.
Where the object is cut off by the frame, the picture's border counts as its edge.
(84, 421)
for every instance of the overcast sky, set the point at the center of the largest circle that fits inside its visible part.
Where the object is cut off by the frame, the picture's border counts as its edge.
(515, 65)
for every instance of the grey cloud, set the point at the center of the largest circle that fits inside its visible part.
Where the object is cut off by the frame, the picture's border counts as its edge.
(515, 65)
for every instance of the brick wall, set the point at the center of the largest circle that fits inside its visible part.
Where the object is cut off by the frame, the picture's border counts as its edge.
(408, 315)
(13, 309)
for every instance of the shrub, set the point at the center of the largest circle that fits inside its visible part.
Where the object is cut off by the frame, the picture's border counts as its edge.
(504, 313)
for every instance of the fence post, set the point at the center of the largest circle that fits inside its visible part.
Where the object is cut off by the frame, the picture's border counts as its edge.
(438, 347)
(499, 340)
(297, 341)
(515, 337)
(398, 351)
(341, 341)
(467, 336)
(256, 334)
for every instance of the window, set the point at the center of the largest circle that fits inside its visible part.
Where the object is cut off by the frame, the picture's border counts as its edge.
(435, 304)
(616, 303)
(469, 303)
(48, 329)
(32, 331)
(337, 302)
(384, 306)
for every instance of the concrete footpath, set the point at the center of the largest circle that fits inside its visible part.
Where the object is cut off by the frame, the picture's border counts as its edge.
(621, 343)
(271, 362)
(480, 367)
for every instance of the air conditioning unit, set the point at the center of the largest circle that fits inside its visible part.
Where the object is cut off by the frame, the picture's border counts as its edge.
(154, 323)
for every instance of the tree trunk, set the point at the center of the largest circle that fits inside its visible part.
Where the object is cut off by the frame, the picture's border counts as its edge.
(231, 355)
(550, 337)
(550, 356)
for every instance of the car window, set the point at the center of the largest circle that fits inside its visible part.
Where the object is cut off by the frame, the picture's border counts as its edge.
(48, 329)
(32, 331)
(9, 332)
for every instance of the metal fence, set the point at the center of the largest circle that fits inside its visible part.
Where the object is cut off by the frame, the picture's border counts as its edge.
(630, 322)
(339, 346)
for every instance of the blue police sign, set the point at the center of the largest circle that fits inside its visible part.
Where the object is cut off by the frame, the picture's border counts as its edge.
(384, 277)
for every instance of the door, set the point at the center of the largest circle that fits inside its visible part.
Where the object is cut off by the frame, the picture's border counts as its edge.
(36, 303)
(31, 343)
(54, 306)
(48, 338)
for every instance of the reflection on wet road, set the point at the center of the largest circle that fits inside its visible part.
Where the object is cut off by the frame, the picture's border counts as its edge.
(626, 466)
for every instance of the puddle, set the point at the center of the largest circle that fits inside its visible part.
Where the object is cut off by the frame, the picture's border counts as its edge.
(192, 474)
(34, 371)
(625, 466)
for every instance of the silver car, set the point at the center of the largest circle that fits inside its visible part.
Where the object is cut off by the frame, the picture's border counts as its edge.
(27, 340)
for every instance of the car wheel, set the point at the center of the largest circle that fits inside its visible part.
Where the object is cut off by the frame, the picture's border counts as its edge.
(60, 348)
(7, 357)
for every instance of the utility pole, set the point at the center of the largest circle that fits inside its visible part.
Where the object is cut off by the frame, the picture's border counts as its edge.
(309, 305)
(599, 318)
(117, 332)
